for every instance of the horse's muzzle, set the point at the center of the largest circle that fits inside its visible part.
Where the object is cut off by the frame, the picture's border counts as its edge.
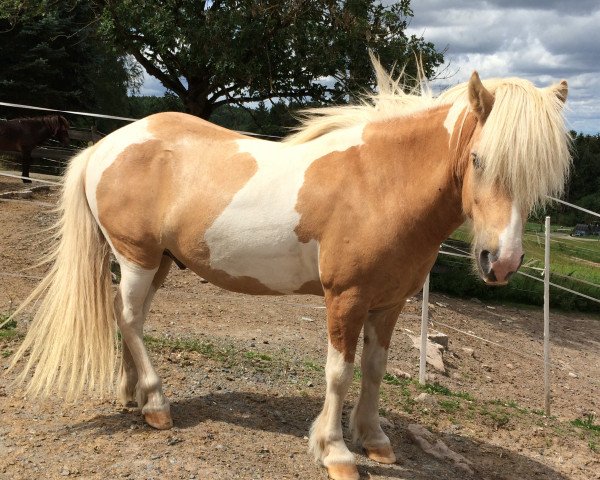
(497, 270)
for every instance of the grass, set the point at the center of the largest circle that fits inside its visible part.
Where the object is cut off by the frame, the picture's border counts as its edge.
(449, 406)
(574, 265)
(258, 356)
(9, 330)
(587, 423)
(313, 366)
(436, 388)
(590, 430)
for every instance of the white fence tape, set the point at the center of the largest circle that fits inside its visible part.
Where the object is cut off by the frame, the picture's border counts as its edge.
(84, 114)
(110, 117)
(574, 206)
(29, 178)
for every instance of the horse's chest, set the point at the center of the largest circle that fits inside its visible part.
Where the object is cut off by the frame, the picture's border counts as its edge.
(255, 234)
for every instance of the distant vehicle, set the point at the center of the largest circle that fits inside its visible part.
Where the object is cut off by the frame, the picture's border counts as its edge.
(581, 230)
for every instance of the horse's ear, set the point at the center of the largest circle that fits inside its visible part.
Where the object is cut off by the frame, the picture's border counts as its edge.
(561, 90)
(480, 98)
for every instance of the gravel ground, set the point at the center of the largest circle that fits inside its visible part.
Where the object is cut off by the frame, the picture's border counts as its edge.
(245, 379)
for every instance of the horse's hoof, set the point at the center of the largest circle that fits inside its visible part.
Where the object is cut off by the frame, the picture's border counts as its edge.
(383, 454)
(343, 471)
(159, 420)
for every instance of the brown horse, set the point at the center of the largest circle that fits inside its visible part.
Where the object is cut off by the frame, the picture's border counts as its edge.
(353, 208)
(24, 134)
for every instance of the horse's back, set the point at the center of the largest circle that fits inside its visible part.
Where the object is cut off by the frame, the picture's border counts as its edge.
(175, 182)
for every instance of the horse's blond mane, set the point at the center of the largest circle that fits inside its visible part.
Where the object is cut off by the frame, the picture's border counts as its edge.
(524, 145)
(390, 101)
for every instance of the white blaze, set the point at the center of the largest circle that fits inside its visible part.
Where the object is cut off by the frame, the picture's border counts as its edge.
(510, 238)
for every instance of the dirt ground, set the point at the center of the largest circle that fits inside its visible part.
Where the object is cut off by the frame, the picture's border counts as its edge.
(245, 379)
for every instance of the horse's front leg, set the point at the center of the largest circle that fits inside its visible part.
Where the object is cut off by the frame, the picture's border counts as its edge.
(364, 421)
(346, 314)
(25, 165)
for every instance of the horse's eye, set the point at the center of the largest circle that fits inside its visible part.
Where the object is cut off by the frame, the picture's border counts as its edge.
(476, 160)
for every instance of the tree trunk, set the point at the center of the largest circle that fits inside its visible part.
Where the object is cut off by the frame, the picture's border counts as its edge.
(199, 107)
(196, 98)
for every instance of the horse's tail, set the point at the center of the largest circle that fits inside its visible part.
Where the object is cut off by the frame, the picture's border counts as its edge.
(71, 340)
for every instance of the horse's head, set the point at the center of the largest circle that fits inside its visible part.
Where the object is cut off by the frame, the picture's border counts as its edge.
(60, 129)
(504, 178)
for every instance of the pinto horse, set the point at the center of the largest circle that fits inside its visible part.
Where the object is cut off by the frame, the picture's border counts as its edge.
(353, 207)
(24, 134)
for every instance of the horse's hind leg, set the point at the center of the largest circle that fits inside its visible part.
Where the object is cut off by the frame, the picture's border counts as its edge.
(364, 420)
(128, 374)
(136, 285)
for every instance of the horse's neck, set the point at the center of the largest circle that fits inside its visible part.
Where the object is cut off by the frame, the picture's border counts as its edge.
(415, 154)
(35, 131)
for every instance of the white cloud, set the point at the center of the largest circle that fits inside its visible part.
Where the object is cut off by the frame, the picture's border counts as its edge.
(544, 41)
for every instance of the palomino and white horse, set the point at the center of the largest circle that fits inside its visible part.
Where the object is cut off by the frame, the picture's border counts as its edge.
(353, 207)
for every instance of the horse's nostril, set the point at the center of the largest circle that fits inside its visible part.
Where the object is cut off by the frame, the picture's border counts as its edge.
(484, 261)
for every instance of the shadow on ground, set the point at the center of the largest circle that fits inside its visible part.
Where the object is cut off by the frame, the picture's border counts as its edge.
(293, 415)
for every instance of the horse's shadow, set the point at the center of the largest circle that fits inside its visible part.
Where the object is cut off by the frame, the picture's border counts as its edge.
(293, 416)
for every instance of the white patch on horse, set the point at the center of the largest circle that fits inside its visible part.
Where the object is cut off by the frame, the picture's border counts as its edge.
(104, 154)
(452, 117)
(254, 236)
(510, 238)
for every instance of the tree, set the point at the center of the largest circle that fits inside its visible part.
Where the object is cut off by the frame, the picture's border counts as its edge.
(51, 56)
(217, 52)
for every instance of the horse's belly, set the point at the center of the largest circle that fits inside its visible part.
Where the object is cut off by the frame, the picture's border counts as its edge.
(254, 236)
(272, 257)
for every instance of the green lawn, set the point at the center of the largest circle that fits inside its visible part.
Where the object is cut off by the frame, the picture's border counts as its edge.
(574, 264)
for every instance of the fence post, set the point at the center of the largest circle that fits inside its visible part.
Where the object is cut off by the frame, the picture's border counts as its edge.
(424, 322)
(547, 319)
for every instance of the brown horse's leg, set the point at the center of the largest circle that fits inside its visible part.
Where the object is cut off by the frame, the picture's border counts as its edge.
(136, 284)
(26, 164)
(364, 421)
(346, 314)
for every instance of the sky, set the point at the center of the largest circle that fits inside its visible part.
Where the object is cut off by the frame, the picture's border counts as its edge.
(542, 40)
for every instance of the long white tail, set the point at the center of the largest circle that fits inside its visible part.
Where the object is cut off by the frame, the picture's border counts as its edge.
(71, 341)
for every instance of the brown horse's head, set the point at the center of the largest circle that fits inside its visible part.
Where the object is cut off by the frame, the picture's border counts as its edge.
(59, 127)
(518, 155)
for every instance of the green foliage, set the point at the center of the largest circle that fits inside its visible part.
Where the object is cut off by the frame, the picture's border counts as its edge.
(51, 56)
(142, 106)
(583, 188)
(278, 120)
(214, 53)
